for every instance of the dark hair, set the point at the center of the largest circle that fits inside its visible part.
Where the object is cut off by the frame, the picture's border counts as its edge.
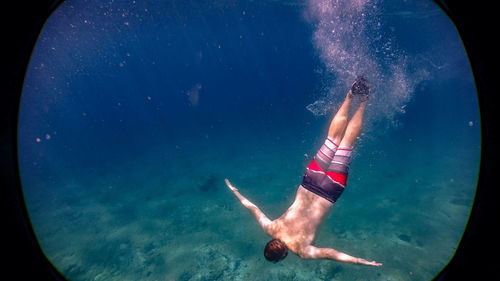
(275, 251)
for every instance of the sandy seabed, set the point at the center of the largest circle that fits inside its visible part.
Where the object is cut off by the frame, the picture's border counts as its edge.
(149, 220)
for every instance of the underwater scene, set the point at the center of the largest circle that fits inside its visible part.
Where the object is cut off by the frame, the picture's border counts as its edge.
(133, 113)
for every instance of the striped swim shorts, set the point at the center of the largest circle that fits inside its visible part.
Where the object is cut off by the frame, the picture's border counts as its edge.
(326, 176)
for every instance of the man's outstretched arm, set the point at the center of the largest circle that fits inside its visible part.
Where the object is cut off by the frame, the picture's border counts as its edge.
(312, 252)
(263, 220)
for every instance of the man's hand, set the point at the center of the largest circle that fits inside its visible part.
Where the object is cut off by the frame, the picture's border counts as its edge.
(365, 262)
(242, 198)
(230, 185)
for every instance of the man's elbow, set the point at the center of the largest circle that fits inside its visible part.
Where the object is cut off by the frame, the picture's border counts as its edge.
(307, 254)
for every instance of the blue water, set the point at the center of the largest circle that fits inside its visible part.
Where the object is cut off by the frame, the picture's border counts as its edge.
(134, 112)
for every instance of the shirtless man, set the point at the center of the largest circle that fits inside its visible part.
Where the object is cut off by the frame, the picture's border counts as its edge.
(323, 182)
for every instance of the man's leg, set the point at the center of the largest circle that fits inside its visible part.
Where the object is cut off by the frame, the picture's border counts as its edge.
(339, 121)
(354, 127)
(337, 127)
(339, 167)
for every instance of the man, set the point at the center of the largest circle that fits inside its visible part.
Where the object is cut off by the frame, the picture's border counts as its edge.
(323, 182)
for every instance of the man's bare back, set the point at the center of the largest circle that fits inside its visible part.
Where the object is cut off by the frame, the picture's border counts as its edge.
(297, 226)
(324, 181)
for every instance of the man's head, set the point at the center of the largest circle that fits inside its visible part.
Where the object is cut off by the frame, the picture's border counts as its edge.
(275, 251)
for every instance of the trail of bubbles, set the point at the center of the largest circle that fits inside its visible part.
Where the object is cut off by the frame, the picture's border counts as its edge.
(352, 40)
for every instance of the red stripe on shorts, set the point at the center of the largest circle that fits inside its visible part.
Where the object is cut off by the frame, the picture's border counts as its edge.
(315, 167)
(342, 179)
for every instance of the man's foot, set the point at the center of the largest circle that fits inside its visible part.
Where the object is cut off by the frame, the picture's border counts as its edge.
(360, 88)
